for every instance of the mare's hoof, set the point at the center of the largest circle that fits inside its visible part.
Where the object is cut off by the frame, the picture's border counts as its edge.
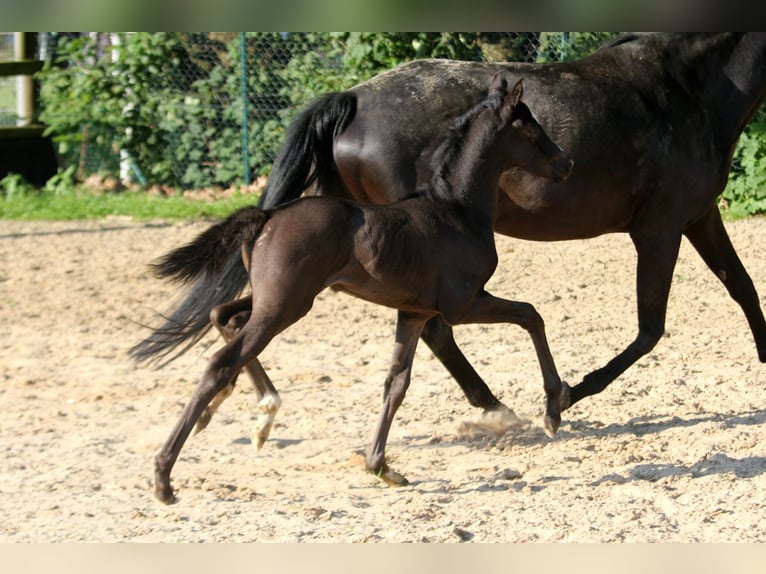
(553, 408)
(391, 477)
(551, 425)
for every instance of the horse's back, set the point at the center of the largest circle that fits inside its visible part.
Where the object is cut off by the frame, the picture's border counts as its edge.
(627, 115)
(403, 115)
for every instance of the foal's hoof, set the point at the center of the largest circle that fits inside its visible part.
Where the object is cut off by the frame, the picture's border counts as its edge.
(390, 477)
(268, 408)
(203, 420)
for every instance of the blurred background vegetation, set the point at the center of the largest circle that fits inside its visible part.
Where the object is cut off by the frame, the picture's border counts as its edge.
(167, 109)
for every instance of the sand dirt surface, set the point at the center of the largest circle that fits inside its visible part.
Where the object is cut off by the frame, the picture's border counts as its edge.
(672, 451)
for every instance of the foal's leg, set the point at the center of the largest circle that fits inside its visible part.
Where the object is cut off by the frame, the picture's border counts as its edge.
(657, 255)
(229, 318)
(222, 369)
(709, 238)
(487, 308)
(220, 373)
(408, 329)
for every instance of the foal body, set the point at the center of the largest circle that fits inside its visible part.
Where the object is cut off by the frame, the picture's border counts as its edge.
(425, 256)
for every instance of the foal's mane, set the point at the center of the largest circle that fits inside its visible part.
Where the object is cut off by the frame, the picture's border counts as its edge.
(451, 146)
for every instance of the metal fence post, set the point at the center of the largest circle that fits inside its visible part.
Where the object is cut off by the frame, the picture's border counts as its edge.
(24, 87)
(243, 93)
(564, 46)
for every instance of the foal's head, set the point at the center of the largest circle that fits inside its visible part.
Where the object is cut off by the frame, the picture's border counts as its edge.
(502, 124)
(524, 143)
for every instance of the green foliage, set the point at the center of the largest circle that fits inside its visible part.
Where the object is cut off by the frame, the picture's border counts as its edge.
(96, 101)
(14, 185)
(745, 193)
(571, 45)
(340, 60)
(62, 183)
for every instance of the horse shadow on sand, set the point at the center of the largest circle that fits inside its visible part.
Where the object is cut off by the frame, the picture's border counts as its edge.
(526, 434)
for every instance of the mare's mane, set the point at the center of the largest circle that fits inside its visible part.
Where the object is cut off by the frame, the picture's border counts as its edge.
(618, 40)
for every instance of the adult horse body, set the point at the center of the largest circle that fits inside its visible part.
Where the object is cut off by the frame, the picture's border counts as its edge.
(651, 122)
(428, 255)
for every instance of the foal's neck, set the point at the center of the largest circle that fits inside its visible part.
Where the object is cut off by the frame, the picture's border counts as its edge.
(475, 171)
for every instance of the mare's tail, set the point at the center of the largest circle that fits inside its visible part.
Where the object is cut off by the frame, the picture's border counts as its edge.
(213, 261)
(306, 154)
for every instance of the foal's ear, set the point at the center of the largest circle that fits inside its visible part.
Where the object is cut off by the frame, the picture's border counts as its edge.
(499, 82)
(510, 101)
(514, 96)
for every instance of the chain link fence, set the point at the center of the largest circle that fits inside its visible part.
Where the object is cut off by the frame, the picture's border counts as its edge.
(169, 109)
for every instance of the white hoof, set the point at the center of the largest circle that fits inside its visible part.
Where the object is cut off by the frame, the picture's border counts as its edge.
(267, 408)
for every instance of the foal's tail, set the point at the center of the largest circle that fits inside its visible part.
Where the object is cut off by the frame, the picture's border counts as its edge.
(308, 144)
(213, 261)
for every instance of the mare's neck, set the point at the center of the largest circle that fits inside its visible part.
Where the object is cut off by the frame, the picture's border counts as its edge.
(730, 77)
(746, 69)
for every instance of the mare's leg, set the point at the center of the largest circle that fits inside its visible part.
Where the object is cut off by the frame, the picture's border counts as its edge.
(709, 238)
(439, 337)
(222, 369)
(487, 308)
(408, 329)
(657, 255)
(229, 318)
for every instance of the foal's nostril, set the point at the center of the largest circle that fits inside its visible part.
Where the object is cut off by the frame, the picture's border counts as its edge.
(563, 169)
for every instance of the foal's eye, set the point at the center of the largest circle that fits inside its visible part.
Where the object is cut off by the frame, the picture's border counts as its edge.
(521, 125)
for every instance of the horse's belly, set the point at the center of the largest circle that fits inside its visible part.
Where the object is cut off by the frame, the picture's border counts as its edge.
(544, 211)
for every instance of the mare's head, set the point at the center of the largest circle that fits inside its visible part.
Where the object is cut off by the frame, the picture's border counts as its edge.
(524, 143)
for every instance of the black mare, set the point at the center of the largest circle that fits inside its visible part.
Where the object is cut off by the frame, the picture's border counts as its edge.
(426, 256)
(651, 122)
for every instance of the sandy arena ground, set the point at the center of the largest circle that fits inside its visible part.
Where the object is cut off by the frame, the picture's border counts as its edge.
(672, 451)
